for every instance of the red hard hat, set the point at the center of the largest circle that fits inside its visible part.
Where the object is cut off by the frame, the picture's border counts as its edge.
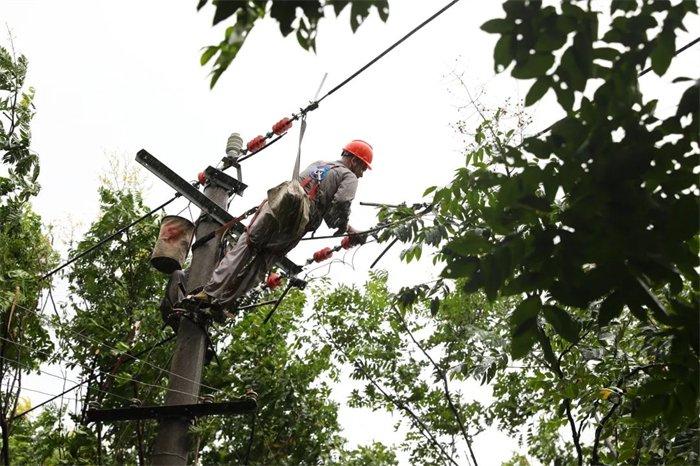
(361, 150)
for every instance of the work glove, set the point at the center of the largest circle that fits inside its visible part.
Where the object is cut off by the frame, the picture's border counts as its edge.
(353, 239)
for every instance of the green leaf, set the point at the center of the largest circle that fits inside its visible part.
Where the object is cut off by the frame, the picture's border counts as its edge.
(460, 267)
(537, 90)
(610, 308)
(358, 13)
(285, 14)
(657, 387)
(565, 97)
(470, 243)
(522, 343)
(226, 8)
(663, 52)
(503, 53)
(497, 26)
(651, 407)
(434, 306)
(525, 311)
(562, 322)
(534, 67)
(209, 52)
(339, 6)
(547, 350)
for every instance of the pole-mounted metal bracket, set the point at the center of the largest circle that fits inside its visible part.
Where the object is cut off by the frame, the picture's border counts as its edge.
(224, 181)
(242, 406)
(193, 195)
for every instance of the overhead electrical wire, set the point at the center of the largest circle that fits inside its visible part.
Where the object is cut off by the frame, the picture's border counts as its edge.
(112, 348)
(89, 379)
(312, 106)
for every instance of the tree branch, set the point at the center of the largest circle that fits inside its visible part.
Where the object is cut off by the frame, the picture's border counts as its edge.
(442, 376)
(398, 403)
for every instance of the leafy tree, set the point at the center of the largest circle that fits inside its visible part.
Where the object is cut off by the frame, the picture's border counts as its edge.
(300, 17)
(113, 310)
(25, 251)
(407, 359)
(594, 224)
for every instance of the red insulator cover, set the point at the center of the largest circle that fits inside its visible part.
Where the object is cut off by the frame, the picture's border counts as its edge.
(282, 126)
(346, 243)
(255, 144)
(273, 280)
(323, 254)
(202, 178)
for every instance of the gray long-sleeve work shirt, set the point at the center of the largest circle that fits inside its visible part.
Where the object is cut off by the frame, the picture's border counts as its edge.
(333, 197)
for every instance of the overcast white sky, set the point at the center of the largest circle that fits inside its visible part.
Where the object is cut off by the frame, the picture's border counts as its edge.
(115, 77)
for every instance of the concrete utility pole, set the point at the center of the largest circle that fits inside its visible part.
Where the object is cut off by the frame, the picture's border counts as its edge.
(172, 445)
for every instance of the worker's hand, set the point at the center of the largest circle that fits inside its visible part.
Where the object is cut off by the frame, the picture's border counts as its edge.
(354, 238)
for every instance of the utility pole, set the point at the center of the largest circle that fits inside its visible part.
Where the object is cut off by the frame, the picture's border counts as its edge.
(172, 445)
(181, 401)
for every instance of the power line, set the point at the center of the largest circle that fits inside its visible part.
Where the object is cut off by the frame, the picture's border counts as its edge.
(308, 108)
(81, 336)
(389, 49)
(104, 241)
(33, 390)
(89, 379)
(50, 374)
(642, 73)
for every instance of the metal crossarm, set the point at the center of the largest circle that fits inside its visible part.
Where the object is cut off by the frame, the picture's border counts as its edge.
(197, 198)
(243, 406)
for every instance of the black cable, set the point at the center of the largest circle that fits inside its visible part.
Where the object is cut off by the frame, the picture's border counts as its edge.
(245, 157)
(642, 73)
(383, 252)
(378, 57)
(89, 379)
(314, 104)
(103, 241)
(685, 47)
(427, 210)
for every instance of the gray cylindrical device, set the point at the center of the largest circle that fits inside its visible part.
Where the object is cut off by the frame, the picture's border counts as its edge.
(234, 145)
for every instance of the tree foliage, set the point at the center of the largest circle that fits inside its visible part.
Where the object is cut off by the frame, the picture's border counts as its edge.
(113, 312)
(594, 224)
(25, 251)
(298, 17)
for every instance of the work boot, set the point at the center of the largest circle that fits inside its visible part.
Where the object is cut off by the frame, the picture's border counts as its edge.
(201, 302)
(201, 298)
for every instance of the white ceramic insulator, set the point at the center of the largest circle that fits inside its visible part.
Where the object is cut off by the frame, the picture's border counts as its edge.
(234, 145)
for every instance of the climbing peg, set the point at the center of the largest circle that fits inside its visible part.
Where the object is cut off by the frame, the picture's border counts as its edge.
(255, 144)
(282, 126)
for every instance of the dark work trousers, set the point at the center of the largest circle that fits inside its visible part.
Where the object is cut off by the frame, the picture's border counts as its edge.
(251, 258)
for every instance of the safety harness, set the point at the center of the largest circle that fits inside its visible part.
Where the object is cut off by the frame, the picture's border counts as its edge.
(316, 175)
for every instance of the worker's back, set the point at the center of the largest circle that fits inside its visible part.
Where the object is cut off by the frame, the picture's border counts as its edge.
(331, 196)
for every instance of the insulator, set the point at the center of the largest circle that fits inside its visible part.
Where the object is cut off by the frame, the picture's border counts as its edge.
(346, 243)
(323, 254)
(202, 178)
(255, 144)
(273, 280)
(282, 126)
(234, 145)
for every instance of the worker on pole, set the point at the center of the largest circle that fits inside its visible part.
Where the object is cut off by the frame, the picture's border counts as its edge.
(330, 187)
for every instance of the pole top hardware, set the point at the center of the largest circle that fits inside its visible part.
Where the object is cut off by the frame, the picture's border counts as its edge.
(227, 182)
